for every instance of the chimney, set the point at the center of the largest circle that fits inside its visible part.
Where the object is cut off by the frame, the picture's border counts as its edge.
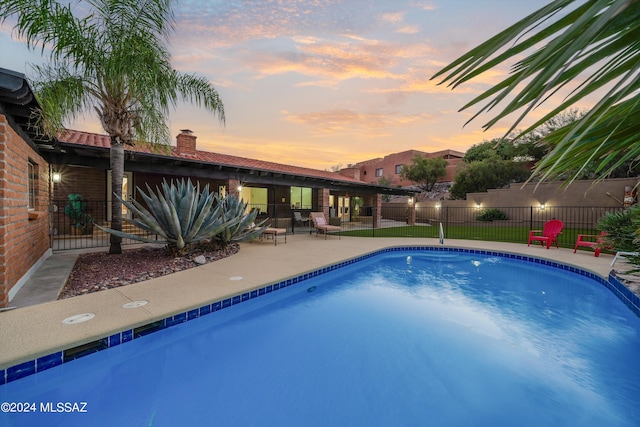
(350, 171)
(186, 142)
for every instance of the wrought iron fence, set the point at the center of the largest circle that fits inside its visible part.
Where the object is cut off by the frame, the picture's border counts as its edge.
(470, 223)
(73, 227)
(367, 221)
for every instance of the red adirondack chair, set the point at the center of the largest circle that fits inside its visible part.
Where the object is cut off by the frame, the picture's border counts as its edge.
(590, 241)
(549, 233)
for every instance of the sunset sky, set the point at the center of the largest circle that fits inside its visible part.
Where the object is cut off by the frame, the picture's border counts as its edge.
(320, 83)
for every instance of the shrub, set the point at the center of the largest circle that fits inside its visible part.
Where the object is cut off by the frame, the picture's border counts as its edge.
(491, 215)
(622, 229)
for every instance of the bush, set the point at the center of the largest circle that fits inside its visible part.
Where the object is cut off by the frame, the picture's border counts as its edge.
(491, 215)
(621, 228)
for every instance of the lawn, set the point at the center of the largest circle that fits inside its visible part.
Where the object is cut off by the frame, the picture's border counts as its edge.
(469, 232)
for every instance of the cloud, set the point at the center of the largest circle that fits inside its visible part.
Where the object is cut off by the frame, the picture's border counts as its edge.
(393, 18)
(409, 29)
(343, 121)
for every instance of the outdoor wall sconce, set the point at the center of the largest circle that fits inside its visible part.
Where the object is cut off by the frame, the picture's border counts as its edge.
(478, 205)
(542, 206)
(438, 205)
(410, 200)
(56, 177)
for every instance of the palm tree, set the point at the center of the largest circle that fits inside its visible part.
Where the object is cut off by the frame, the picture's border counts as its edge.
(594, 44)
(110, 56)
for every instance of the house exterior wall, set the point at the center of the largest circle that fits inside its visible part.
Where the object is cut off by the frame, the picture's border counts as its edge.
(24, 233)
(91, 183)
(389, 165)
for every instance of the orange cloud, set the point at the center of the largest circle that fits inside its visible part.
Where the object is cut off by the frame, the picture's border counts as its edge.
(349, 122)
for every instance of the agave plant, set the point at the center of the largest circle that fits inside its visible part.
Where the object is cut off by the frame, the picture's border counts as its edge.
(180, 214)
(245, 229)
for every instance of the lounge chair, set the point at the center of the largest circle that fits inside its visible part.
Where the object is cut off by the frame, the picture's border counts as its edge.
(549, 234)
(590, 241)
(320, 224)
(623, 254)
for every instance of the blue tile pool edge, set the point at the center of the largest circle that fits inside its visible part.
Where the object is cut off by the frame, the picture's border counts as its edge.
(40, 364)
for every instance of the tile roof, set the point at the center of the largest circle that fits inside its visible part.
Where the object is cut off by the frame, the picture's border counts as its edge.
(94, 140)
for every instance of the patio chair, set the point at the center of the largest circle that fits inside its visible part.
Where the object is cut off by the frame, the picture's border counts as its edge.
(320, 224)
(549, 234)
(297, 217)
(590, 241)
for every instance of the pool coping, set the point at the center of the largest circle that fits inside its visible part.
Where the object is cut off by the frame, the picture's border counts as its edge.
(46, 358)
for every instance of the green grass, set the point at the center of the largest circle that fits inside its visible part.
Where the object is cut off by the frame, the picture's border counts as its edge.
(489, 233)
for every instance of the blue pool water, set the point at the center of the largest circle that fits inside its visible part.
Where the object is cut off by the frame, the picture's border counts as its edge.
(408, 338)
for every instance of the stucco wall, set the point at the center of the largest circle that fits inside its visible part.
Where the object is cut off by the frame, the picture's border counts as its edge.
(608, 193)
(24, 234)
(388, 165)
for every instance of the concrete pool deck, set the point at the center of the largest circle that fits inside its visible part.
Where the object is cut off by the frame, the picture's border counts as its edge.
(35, 331)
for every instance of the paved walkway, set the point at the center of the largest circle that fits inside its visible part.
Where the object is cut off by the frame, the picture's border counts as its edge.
(47, 281)
(33, 331)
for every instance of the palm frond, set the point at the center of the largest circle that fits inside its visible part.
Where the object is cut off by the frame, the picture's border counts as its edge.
(597, 45)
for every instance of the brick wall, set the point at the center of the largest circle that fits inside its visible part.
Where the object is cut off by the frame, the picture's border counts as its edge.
(24, 234)
(90, 182)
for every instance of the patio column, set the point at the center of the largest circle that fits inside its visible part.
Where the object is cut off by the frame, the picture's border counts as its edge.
(411, 211)
(233, 187)
(377, 211)
(323, 201)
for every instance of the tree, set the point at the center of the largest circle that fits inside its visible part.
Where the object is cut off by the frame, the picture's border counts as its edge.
(595, 41)
(424, 171)
(480, 176)
(112, 57)
(500, 147)
(385, 181)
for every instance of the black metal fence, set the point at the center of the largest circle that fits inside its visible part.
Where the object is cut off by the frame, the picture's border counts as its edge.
(72, 227)
(457, 222)
(470, 223)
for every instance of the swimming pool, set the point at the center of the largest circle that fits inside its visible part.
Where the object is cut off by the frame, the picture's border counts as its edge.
(407, 337)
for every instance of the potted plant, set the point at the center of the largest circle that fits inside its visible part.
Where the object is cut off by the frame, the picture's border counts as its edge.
(76, 210)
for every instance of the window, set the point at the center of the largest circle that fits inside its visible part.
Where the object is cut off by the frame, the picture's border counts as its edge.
(31, 171)
(301, 198)
(379, 172)
(398, 169)
(255, 197)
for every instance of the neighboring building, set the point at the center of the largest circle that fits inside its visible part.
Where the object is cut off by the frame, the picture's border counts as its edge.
(389, 166)
(37, 175)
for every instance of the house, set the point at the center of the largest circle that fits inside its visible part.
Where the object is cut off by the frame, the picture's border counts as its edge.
(40, 173)
(276, 191)
(389, 167)
(24, 187)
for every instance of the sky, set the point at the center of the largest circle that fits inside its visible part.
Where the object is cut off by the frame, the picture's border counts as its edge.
(325, 83)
